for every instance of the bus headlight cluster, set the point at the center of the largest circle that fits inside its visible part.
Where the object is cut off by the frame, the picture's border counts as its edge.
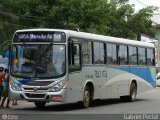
(14, 86)
(59, 86)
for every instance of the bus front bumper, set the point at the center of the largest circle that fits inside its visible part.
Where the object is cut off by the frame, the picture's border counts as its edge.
(38, 96)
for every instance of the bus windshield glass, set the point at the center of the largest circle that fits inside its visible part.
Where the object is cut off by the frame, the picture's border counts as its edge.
(38, 60)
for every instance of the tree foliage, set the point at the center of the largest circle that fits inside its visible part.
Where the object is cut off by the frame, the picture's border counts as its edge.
(114, 18)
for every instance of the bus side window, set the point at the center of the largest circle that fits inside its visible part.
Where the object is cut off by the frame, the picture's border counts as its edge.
(141, 56)
(98, 53)
(122, 55)
(86, 52)
(132, 55)
(153, 57)
(111, 54)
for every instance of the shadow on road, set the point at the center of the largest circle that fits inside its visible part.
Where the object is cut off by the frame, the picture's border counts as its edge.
(75, 106)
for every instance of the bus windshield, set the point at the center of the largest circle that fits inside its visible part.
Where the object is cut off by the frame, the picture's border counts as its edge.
(38, 60)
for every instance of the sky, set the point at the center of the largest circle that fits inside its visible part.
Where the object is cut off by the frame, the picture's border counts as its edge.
(139, 4)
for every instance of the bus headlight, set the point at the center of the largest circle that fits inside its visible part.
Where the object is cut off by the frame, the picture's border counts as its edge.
(14, 86)
(59, 86)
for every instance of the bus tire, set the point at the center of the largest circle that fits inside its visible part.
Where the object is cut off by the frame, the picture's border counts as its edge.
(86, 98)
(40, 105)
(133, 92)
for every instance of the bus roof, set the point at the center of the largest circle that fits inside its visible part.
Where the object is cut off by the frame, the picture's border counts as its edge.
(91, 36)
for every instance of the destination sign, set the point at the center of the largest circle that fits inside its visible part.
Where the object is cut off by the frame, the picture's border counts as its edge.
(39, 37)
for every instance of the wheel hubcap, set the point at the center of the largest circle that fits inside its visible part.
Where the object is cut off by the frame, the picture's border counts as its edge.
(86, 97)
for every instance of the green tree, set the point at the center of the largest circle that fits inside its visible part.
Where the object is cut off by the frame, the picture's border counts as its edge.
(88, 15)
(107, 17)
(141, 23)
(119, 23)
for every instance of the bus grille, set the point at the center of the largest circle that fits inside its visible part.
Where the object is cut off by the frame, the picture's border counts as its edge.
(38, 89)
(31, 95)
(39, 83)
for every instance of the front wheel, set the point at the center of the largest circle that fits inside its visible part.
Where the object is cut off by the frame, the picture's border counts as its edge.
(40, 105)
(86, 98)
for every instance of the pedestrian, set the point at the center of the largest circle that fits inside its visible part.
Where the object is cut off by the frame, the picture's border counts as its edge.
(1, 81)
(5, 89)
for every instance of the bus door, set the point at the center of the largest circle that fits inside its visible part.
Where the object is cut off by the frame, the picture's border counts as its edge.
(74, 83)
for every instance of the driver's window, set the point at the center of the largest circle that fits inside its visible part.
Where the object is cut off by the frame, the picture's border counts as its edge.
(74, 50)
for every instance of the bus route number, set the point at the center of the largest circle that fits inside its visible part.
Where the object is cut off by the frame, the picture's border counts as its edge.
(100, 73)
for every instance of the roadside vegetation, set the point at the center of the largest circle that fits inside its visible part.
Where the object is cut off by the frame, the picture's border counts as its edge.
(115, 18)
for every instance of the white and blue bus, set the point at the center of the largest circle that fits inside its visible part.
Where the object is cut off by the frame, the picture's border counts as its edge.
(65, 66)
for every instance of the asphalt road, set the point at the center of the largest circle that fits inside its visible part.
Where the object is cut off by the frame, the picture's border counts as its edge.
(146, 107)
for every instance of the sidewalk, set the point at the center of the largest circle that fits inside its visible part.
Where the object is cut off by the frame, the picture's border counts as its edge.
(20, 104)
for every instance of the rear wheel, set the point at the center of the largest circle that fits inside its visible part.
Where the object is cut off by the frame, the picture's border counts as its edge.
(40, 105)
(133, 92)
